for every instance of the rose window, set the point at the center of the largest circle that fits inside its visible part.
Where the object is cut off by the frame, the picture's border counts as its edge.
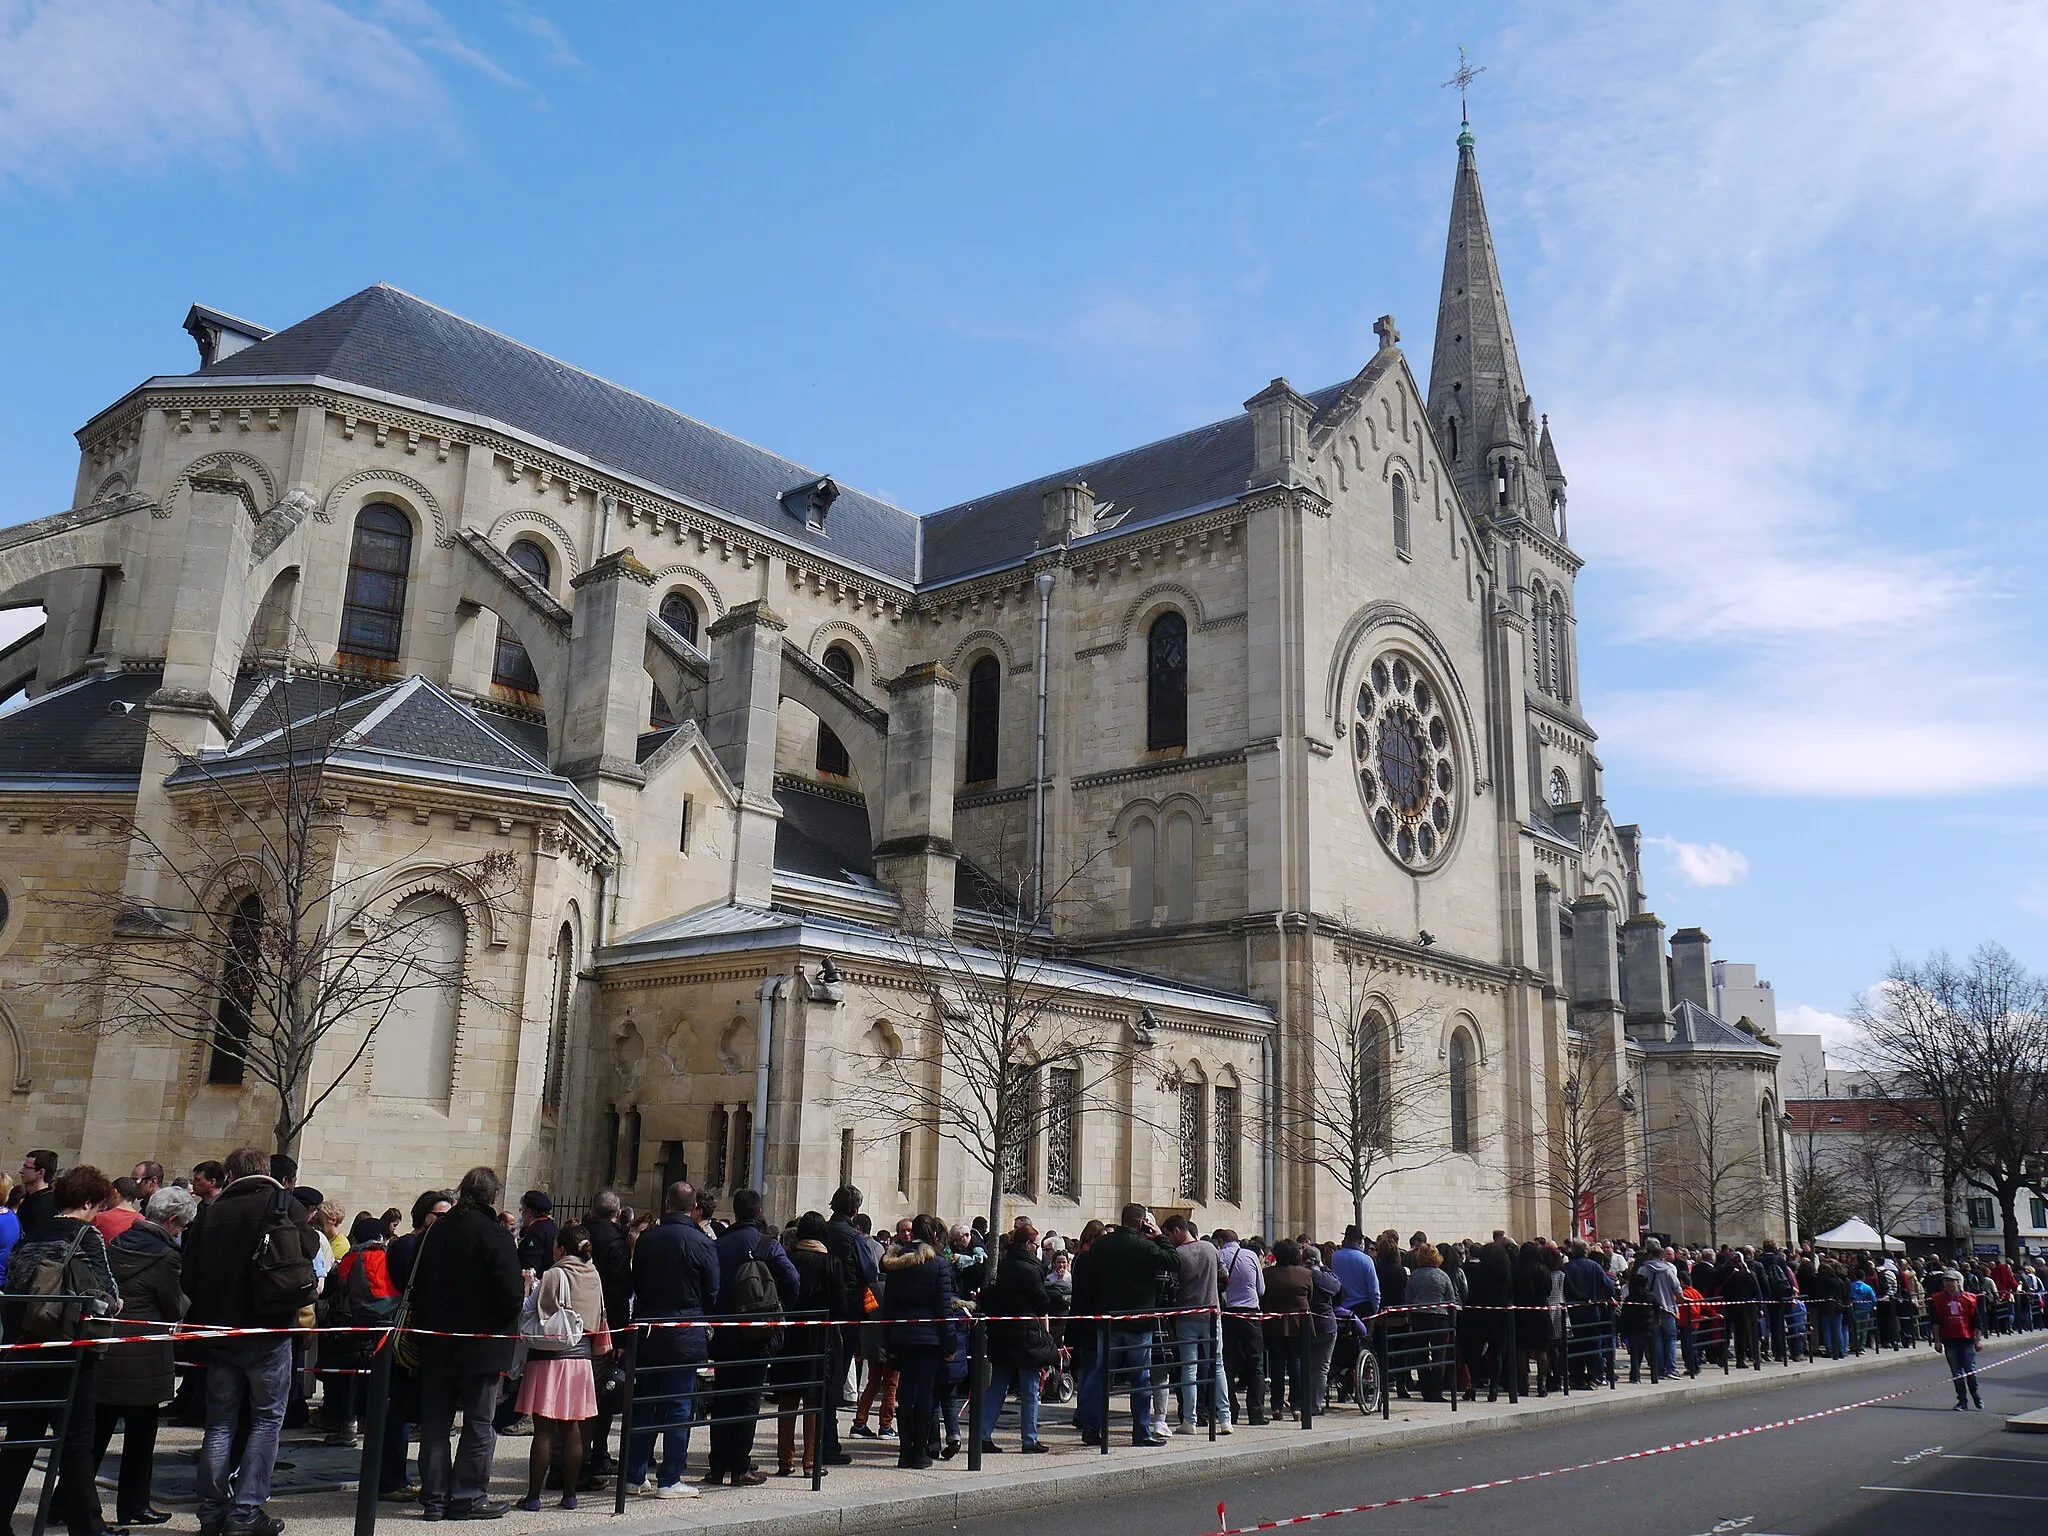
(1406, 761)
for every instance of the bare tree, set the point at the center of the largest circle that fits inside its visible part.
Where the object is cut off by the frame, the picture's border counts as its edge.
(1012, 1049)
(1353, 1107)
(1961, 1051)
(1718, 1167)
(260, 937)
(1583, 1140)
(1816, 1182)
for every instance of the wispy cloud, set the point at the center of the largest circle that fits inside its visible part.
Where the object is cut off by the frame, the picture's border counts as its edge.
(126, 86)
(1705, 863)
(1750, 213)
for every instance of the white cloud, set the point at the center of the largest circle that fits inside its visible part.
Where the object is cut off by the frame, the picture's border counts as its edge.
(92, 85)
(1835, 1030)
(1705, 863)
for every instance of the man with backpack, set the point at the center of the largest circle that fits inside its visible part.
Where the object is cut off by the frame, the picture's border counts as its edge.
(248, 1263)
(756, 1281)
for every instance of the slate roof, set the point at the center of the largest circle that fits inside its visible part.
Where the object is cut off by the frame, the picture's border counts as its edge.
(385, 339)
(72, 732)
(825, 837)
(412, 718)
(1697, 1029)
(1139, 486)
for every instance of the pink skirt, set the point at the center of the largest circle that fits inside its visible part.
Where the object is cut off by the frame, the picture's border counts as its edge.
(557, 1387)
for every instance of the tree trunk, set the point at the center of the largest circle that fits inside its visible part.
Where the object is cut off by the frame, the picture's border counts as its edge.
(2008, 1209)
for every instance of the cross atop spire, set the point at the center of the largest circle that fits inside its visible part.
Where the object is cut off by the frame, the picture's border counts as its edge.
(1467, 73)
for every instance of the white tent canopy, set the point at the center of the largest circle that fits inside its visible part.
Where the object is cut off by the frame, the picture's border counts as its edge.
(1856, 1233)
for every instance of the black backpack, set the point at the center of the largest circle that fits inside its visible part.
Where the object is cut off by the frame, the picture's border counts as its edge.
(282, 1281)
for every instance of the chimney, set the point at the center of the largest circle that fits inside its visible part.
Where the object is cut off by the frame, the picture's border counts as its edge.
(1691, 969)
(220, 335)
(1069, 514)
(1645, 981)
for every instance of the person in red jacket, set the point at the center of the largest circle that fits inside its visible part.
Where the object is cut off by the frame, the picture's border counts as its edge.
(1955, 1324)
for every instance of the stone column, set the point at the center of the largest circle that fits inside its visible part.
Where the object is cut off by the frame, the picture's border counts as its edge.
(746, 692)
(916, 856)
(604, 705)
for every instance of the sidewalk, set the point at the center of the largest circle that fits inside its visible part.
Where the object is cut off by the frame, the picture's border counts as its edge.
(874, 1492)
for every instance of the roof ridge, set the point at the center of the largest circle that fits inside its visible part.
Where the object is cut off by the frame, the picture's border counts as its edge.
(336, 707)
(1157, 442)
(624, 389)
(473, 716)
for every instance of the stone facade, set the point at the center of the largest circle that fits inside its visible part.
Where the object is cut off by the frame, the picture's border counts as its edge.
(1308, 687)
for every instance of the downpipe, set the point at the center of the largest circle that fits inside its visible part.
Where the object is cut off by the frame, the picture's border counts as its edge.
(764, 1047)
(1045, 583)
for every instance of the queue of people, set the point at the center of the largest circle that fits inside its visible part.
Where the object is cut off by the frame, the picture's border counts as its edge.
(513, 1322)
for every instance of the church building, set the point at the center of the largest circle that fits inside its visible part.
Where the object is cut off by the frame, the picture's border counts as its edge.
(1225, 748)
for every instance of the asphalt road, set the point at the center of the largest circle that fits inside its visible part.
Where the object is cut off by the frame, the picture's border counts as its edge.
(1907, 1467)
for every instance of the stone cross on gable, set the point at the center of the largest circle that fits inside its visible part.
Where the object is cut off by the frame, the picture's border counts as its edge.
(1388, 333)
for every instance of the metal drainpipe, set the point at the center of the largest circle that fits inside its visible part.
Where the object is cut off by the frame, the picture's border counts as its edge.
(1267, 1072)
(764, 1045)
(1045, 582)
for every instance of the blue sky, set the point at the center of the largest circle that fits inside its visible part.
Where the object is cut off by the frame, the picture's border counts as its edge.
(1776, 272)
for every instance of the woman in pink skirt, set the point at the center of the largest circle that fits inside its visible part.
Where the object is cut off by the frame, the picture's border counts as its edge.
(559, 1387)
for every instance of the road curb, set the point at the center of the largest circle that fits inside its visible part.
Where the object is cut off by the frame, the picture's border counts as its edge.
(1128, 1471)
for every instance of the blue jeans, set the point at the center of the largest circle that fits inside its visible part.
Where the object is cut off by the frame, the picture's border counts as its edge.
(672, 1419)
(1130, 1355)
(999, 1379)
(258, 1370)
(1193, 1335)
(1962, 1367)
(1834, 1334)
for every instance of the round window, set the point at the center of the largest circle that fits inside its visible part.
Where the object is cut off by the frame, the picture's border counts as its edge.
(1406, 765)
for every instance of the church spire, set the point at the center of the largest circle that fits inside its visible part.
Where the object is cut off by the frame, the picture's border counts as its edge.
(1477, 400)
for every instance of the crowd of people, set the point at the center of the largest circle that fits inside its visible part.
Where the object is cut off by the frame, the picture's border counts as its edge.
(230, 1297)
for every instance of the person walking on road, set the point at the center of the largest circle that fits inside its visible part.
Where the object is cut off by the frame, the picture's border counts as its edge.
(1957, 1324)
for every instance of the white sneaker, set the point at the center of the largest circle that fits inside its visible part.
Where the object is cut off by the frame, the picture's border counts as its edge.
(1223, 1428)
(635, 1490)
(1185, 1428)
(678, 1490)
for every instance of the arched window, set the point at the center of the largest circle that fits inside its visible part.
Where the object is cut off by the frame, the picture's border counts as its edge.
(1166, 682)
(1372, 1081)
(984, 717)
(1144, 840)
(1400, 515)
(1451, 436)
(373, 605)
(234, 1014)
(832, 756)
(680, 615)
(1461, 1092)
(1769, 1117)
(558, 1021)
(415, 1044)
(1500, 479)
(1539, 645)
(1180, 868)
(1554, 637)
(1193, 1183)
(511, 667)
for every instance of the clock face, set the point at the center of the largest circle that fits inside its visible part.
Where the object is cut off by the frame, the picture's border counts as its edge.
(1560, 787)
(1406, 761)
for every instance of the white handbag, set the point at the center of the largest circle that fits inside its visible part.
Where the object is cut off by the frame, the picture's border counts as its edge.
(550, 1333)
